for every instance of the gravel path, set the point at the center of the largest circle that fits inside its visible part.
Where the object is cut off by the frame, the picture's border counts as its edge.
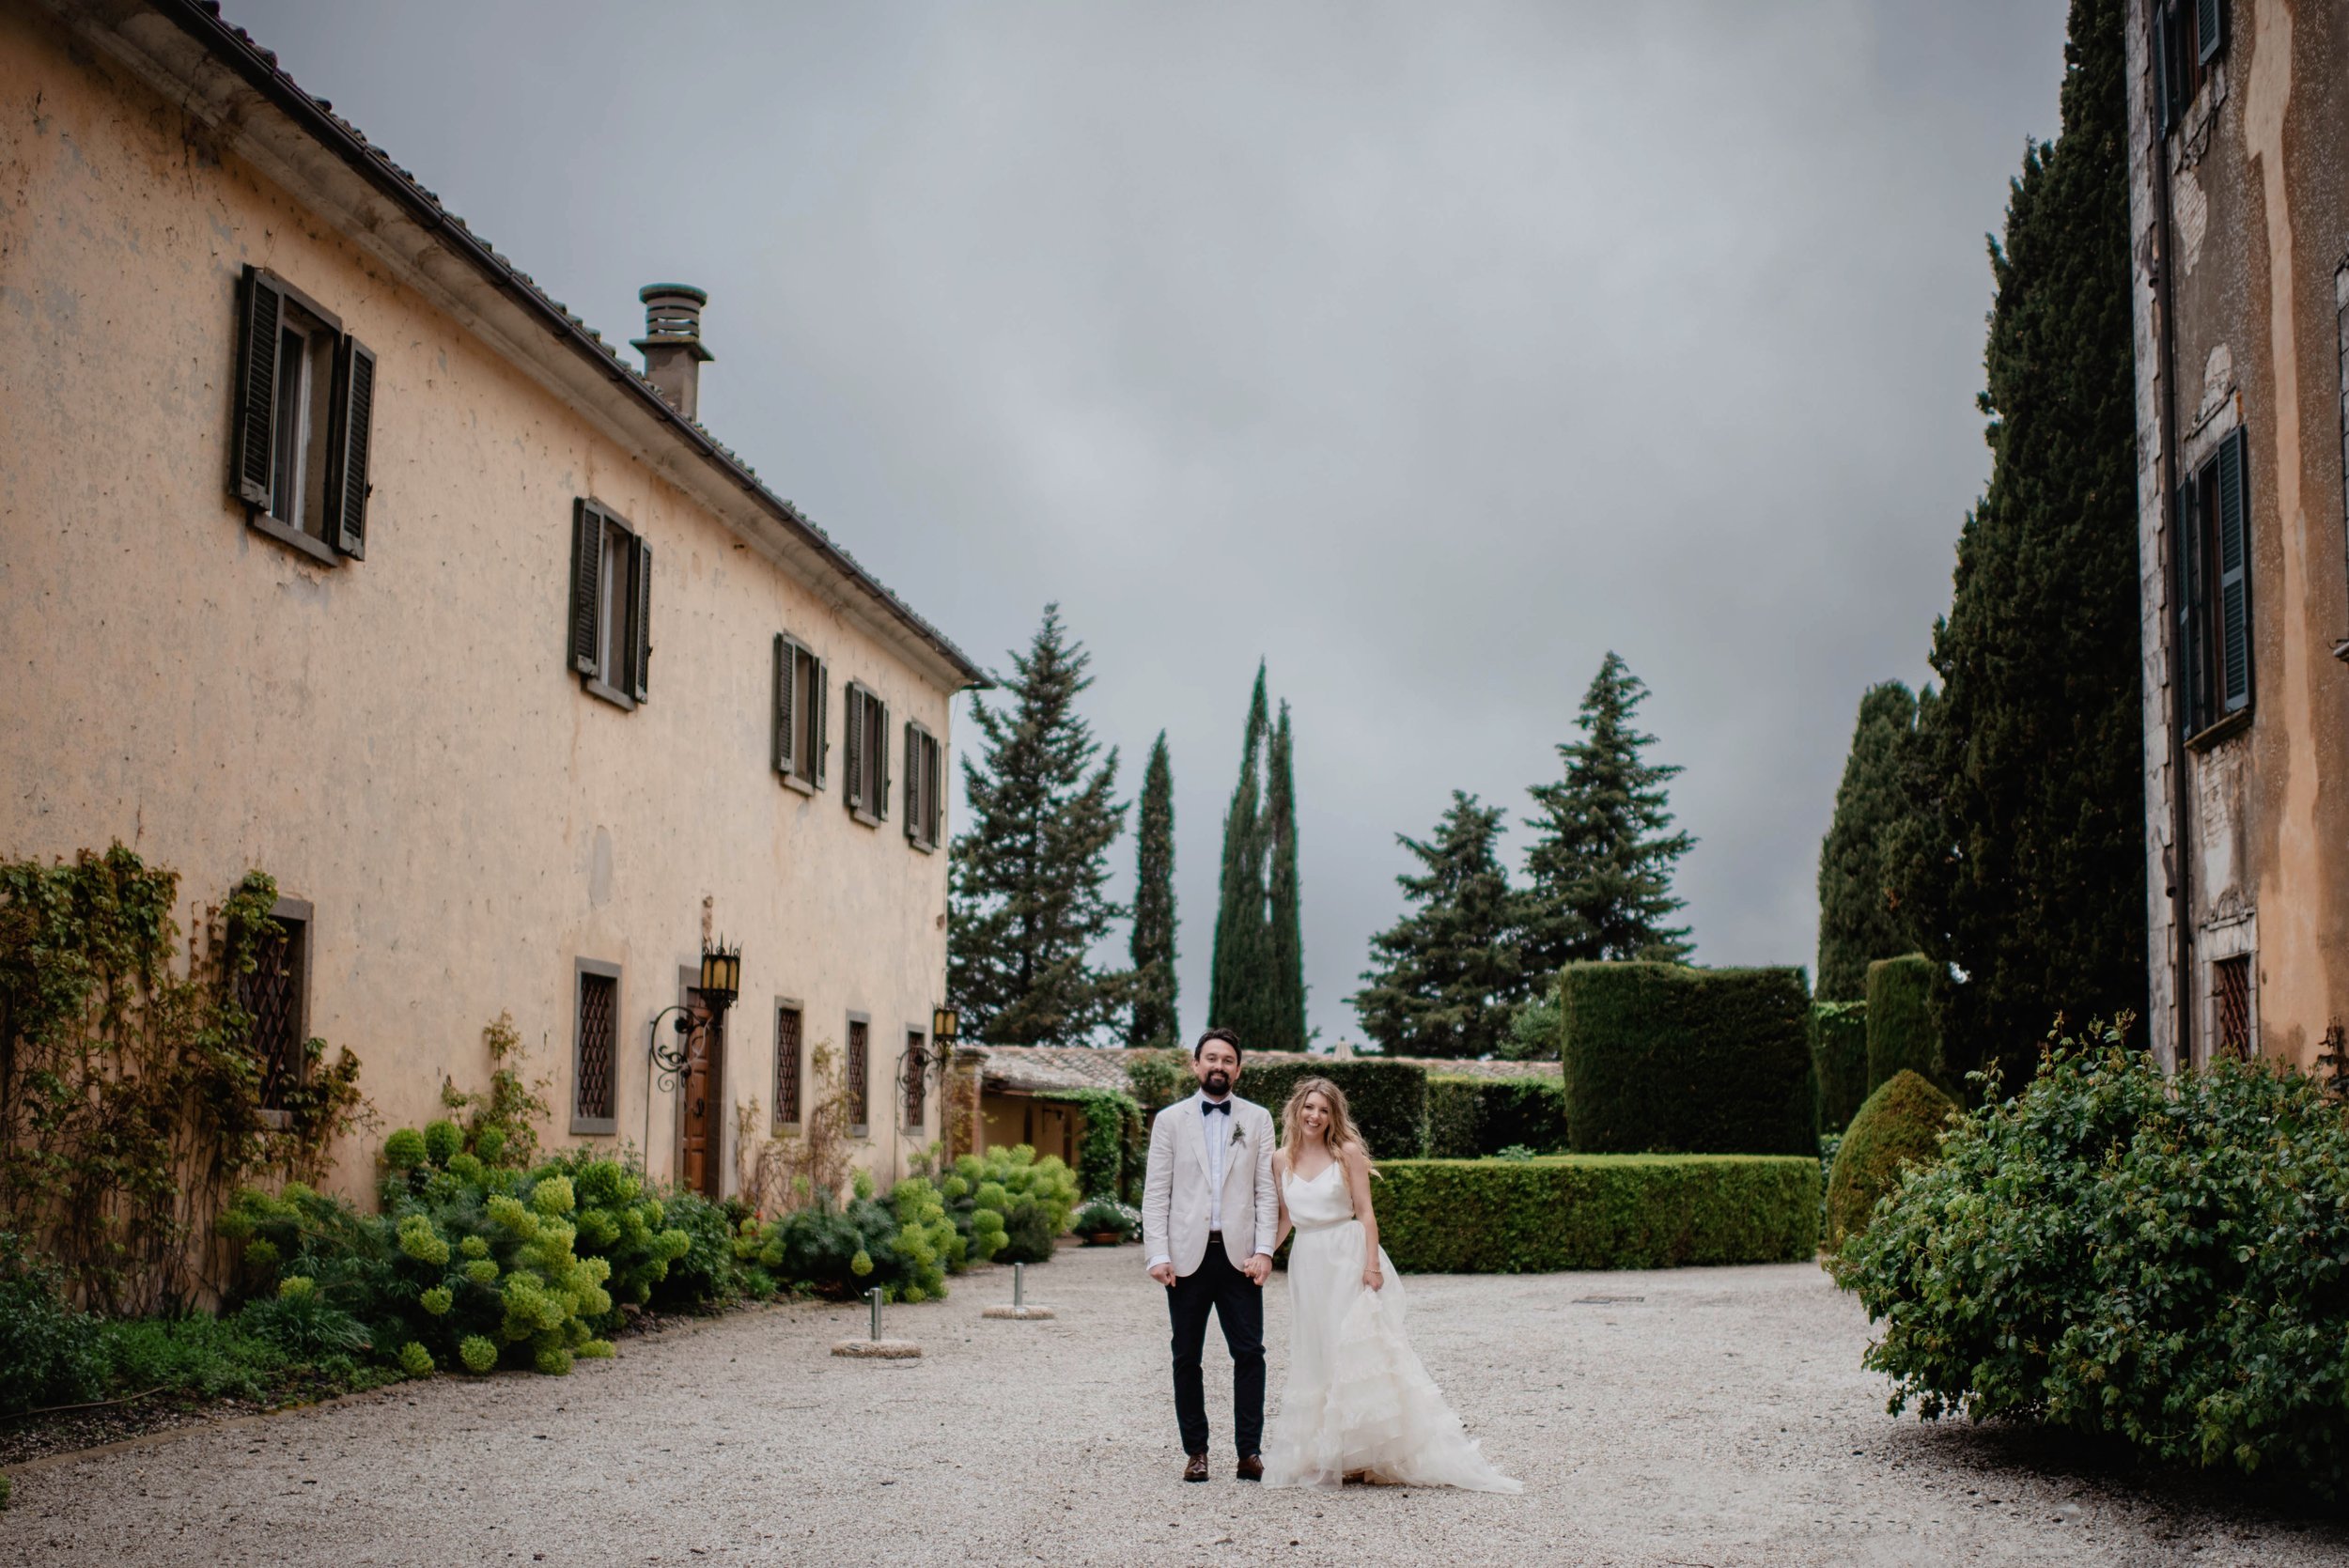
(1710, 1417)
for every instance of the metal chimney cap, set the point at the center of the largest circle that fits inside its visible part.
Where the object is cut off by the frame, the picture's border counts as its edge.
(673, 319)
(683, 290)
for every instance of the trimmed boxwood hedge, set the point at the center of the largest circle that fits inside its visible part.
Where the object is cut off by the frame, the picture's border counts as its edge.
(1468, 1118)
(1595, 1211)
(1901, 1032)
(1389, 1099)
(1663, 1058)
(1839, 1058)
(1900, 1125)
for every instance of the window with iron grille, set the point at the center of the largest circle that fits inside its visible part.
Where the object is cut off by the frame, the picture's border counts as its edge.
(596, 1049)
(276, 995)
(787, 1064)
(916, 1082)
(860, 1085)
(610, 604)
(2230, 999)
(2213, 566)
(305, 414)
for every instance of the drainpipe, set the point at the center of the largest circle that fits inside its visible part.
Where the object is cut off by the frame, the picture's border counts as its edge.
(2181, 928)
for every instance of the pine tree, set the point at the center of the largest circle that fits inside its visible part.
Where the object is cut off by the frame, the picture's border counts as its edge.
(1028, 904)
(1601, 867)
(1286, 971)
(1448, 979)
(1242, 961)
(1157, 1020)
(1861, 917)
(2032, 886)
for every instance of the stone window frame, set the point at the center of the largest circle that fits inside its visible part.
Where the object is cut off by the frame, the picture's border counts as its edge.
(777, 1122)
(583, 970)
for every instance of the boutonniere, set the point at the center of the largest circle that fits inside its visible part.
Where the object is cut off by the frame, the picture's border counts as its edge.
(1240, 1134)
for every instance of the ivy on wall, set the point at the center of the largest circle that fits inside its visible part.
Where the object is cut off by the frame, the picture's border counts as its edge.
(1112, 1156)
(130, 1092)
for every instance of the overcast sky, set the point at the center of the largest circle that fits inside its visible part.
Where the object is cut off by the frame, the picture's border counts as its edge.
(1426, 351)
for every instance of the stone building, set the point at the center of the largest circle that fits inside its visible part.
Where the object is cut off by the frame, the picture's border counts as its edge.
(332, 546)
(2239, 211)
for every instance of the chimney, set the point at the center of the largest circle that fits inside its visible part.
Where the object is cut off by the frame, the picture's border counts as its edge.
(671, 344)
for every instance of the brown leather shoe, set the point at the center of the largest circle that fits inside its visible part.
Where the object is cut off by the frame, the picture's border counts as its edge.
(1195, 1468)
(1252, 1468)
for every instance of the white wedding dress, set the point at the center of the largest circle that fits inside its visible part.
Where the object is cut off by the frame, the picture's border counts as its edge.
(1357, 1397)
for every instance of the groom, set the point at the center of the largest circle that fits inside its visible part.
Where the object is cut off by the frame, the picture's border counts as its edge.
(1208, 1210)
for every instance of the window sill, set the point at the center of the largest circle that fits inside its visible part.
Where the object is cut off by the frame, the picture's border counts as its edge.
(860, 1130)
(276, 1121)
(2224, 729)
(868, 817)
(918, 844)
(784, 1130)
(594, 1126)
(611, 694)
(294, 539)
(793, 781)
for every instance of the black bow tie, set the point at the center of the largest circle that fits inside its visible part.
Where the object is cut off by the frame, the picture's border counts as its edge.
(1214, 1106)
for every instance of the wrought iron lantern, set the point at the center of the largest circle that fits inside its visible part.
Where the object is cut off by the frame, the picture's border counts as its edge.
(721, 984)
(721, 976)
(945, 1025)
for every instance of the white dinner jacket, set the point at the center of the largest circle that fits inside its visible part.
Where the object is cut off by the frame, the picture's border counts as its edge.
(1175, 1189)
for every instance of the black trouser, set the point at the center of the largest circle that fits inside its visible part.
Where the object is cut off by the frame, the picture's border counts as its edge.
(1237, 1302)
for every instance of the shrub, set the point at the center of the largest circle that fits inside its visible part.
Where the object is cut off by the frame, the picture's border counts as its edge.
(706, 1271)
(50, 1351)
(833, 1250)
(1158, 1077)
(1112, 1125)
(2117, 1252)
(1666, 1057)
(1471, 1118)
(1595, 1211)
(1010, 1204)
(1900, 1125)
(1389, 1099)
(201, 1356)
(1106, 1216)
(1902, 1035)
(1838, 1059)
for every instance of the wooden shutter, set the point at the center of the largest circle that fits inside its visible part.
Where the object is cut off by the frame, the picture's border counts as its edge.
(2187, 599)
(880, 758)
(852, 736)
(347, 478)
(934, 786)
(820, 731)
(914, 783)
(786, 667)
(586, 586)
(264, 313)
(641, 664)
(2234, 576)
(2210, 27)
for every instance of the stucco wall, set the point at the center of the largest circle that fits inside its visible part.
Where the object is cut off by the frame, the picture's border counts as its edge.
(2259, 172)
(399, 740)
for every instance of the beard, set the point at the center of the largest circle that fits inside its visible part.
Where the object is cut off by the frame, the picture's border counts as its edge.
(1218, 1082)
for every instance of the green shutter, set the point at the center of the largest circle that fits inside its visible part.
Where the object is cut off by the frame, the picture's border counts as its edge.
(880, 758)
(2210, 27)
(2192, 704)
(263, 315)
(787, 662)
(347, 479)
(933, 788)
(914, 783)
(640, 662)
(2234, 575)
(586, 585)
(819, 727)
(853, 738)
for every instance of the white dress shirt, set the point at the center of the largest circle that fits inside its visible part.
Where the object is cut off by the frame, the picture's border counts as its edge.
(1217, 1129)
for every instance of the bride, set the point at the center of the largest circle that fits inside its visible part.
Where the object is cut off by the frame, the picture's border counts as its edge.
(1359, 1404)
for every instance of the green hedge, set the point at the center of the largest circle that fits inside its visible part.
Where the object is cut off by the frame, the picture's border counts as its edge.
(1901, 1032)
(1595, 1211)
(1389, 1099)
(1662, 1058)
(1468, 1118)
(1838, 1059)
(1900, 1125)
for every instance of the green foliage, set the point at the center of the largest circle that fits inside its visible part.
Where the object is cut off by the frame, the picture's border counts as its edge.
(1861, 917)
(478, 1353)
(1900, 1125)
(130, 1093)
(1595, 1211)
(1388, 1100)
(1107, 1216)
(404, 1150)
(502, 1121)
(1446, 980)
(1473, 1118)
(834, 1252)
(1902, 1034)
(199, 1355)
(50, 1353)
(2028, 874)
(2121, 1253)
(1839, 1060)
(1665, 1058)
(1601, 864)
(1030, 900)
(1113, 1125)
(1156, 1020)
(1239, 974)
(705, 1273)
(1283, 1024)
(1008, 1203)
(1159, 1078)
(1533, 1028)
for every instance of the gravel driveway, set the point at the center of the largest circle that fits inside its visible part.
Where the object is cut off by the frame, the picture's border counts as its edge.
(1691, 1417)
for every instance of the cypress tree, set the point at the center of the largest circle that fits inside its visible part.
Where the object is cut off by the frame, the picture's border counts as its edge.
(1288, 933)
(1447, 979)
(1242, 962)
(2031, 885)
(1861, 917)
(1156, 1021)
(1028, 901)
(1602, 864)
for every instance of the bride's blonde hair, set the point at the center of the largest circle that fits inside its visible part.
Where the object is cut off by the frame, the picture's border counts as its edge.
(1340, 1133)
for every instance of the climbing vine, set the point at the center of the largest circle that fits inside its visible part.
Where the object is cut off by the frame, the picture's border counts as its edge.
(130, 1092)
(1114, 1138)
